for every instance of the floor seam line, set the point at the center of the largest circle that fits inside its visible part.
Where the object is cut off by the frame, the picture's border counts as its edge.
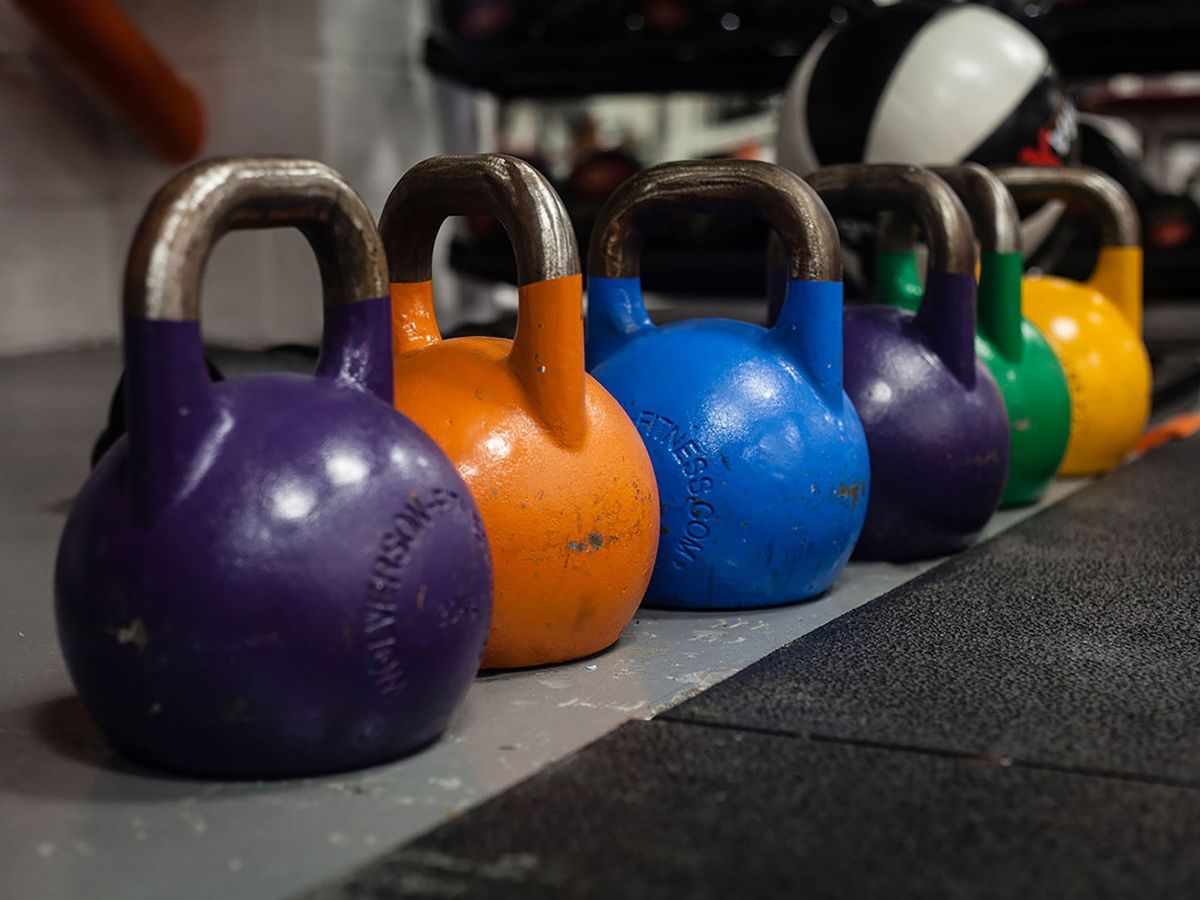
(994, 759)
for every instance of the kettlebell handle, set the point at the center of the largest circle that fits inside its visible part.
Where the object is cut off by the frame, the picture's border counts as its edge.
(997, 227)
(171, 404)
(771, 192)
(870, 188)
(484, 184)
(1104, 199)
(205, 200)
(947, 312)
(809, 325)
(991, 207)
(1118, 273)
(547, 349)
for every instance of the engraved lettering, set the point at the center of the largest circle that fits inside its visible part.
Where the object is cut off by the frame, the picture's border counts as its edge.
(686, 551)
(379, 615)
(692, 459)
(384, 600)
(685, 451)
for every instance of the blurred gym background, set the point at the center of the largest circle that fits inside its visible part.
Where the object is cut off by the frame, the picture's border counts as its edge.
(589, 90)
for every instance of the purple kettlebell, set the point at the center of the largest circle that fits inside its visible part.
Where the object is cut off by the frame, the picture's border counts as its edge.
(937, 430)
(277, 575)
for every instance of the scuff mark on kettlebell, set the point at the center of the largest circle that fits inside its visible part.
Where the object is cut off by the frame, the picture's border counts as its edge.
(134, 633)
(849, 490)
(594, 541)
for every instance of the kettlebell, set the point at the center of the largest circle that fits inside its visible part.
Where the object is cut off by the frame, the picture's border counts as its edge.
(1030, 378)
(934, 418)
(1095, 327)
(277, 575)
(761, 460)
(564, 484)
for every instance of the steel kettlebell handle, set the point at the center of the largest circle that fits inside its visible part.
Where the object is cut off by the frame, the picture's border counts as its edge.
(547, 349)
(809, 324)
(790, 206)
(1104, 199)
(209, 198)
(991, 207)
(170, 401)
(871, 188)
(988, 202)
(997, 227)
(1118, 273)
(485, 184)
(946, 315)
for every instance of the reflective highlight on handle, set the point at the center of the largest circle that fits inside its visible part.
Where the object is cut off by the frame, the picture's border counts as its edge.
(414, 320)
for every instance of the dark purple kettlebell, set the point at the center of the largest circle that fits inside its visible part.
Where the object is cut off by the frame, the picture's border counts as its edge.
(277, 575)
(937, 430)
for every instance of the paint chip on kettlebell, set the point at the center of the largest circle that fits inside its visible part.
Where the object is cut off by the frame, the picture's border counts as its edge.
(134, 633)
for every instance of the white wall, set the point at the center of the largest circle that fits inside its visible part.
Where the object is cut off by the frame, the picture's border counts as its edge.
(338, 80)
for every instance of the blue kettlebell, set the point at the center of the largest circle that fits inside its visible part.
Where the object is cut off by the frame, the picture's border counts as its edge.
(761, 460)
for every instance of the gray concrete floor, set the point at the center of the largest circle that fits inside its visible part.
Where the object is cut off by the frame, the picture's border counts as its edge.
(78, 821)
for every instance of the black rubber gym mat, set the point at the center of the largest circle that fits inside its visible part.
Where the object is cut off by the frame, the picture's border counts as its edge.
(1022, 721)
(1072, 640)
(661, 809)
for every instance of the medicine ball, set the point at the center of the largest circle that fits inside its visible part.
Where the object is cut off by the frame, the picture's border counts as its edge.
(927, 84)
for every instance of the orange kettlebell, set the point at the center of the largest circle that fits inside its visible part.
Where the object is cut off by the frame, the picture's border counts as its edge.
(562, 479)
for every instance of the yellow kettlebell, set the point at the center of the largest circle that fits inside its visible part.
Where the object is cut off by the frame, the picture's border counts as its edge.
(1095, 327)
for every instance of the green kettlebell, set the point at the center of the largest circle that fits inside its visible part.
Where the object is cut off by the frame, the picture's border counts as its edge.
(1030, 376)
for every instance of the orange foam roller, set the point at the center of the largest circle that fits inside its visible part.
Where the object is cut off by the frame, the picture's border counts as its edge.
(117, 58)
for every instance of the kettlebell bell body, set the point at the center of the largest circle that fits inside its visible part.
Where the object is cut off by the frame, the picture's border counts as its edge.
(564, 484)
(275, 575)
(1095, 328)
(933, 415)
(760, 458)
(1025, 368)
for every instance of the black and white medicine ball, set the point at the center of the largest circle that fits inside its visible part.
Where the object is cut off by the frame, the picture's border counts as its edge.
(928, 84)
